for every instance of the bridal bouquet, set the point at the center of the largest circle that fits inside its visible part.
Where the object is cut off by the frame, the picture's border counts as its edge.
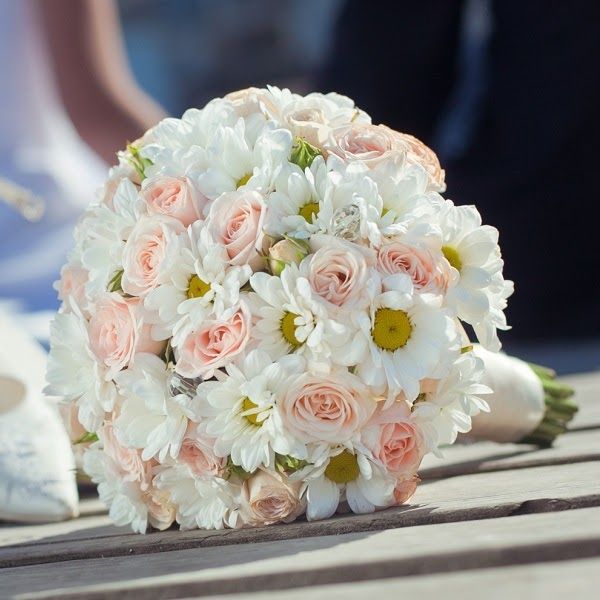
(262, 316)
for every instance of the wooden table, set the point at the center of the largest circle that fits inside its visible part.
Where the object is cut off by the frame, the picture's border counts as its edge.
(488, 521)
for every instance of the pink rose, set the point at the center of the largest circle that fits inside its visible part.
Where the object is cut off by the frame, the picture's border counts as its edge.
(252, 100)
(174, 196)
(213, 345)
(236, 222)
(127, 460)
(427, 271)
(405, 489)
(269, 498)
(394, 439)
(371, 144)
(329, 408)
(419, 154)
(198, 453)
(339, 272)
(161, 511)
(146, 256)
(117, 332)
(73, 278)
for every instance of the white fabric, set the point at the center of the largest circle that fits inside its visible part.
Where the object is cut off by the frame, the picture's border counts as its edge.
(517, 405)
(41, 151)
(37, 469)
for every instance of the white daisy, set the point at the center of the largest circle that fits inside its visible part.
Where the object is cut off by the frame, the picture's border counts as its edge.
(289, 318)
(347, 475)
(151, 418)
(205, 502)
(405, 338)
(74, 373)
(239, 158)
(446, 411)
(480, 291)
(201, 282)
(241, 411)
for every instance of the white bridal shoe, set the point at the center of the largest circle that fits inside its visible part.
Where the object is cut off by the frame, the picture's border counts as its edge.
(37, 469)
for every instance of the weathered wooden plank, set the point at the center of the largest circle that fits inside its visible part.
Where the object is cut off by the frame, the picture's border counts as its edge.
(482, 457)
(587, 387)
(565, 579)
(467, 497)
(280, 565)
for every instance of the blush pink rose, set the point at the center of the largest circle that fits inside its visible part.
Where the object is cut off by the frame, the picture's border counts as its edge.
(395, 440)
(213, 345)
(269, 498)
(175, 197)
(370, 144)
(339, 273)
(149, 253)
(252, 100)
(198, 453)
(427, 271)
(405, 489)
(127, 460)
(117, 332)
(236, 222)
(71, 285)
(326, 408)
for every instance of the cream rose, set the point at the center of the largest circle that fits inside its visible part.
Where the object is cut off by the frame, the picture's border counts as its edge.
(213, 345)
(236, 222)
(161, 511)
(329, 408)
(147, 255)
(175, 197)
(198, 453)
(427, 271)
(339, 272)
(117, 332)
(371, 144)
(269, 498)
(71, 285)
(395, 440)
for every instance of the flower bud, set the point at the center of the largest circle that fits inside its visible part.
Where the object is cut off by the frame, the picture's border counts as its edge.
(286, 252)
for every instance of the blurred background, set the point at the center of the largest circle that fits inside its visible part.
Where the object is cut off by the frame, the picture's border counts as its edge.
(505, 92)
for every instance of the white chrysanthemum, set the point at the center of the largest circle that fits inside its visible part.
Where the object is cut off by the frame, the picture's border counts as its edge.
(205, 502)
(405, 338)
(289, 318)
(201, 282)
(296, 200)
(446, 411)
(480, 292)
(348, 475)
(74, 374)
(125, 499)
(240, 410)
(150, 417)
(100, 236)
(240, 155)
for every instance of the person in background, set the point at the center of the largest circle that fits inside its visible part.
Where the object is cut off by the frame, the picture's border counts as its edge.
(518, 84)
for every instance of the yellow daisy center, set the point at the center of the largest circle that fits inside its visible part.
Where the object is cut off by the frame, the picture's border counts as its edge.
(243, 180)
(247, 404)
(288, 330)
(197, 287)
(391, 329)
(308, 211)
(343, 468)
(452, 257)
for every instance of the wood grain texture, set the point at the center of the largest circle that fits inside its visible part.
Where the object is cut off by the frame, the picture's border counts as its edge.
(421, 550)
(461, 498)
(578, 579)
(587, 395)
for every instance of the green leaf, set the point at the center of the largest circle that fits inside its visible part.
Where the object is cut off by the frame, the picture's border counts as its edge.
(137, 161)
(284, 462)
(237, 470)
(114, 285)
(87, 438)
(303, 153)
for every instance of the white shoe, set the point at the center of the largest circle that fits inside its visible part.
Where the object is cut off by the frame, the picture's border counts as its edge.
(37, 469)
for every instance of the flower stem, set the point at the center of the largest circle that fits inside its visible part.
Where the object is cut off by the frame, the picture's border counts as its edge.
(560, 408)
